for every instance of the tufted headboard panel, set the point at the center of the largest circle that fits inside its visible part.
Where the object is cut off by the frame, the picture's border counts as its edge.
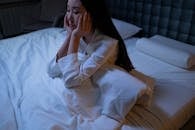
(170, 18)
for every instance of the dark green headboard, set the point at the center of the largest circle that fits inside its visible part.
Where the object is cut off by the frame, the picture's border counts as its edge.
(170, 18)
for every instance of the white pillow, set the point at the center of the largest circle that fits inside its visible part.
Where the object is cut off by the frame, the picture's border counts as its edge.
(145, 98)
(168, 50)
(174, 43)
(125, 29)
(134, 80)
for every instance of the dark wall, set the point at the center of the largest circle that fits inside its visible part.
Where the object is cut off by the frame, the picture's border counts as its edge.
(22, 16)
(13, 1)
(11, 13)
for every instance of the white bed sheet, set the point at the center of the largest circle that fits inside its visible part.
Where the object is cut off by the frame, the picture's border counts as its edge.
(15, 105)
(30, 99)
(174, 94)
(21, 80)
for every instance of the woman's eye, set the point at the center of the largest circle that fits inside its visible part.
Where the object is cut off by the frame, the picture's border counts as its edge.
(76, 12)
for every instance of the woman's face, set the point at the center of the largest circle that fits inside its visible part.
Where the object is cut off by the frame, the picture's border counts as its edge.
(74, 10)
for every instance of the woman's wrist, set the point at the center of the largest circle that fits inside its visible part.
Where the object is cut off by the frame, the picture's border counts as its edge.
(74, 44)
(75, 36)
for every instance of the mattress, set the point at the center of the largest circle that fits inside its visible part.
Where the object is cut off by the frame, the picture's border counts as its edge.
(174, 93)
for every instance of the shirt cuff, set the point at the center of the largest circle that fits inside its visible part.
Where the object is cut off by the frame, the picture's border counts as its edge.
(68, 61)
(53, 69)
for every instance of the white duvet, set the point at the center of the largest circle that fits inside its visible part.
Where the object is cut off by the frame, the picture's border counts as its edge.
(30, 99)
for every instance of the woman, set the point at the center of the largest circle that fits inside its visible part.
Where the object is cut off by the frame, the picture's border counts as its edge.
(91, 50)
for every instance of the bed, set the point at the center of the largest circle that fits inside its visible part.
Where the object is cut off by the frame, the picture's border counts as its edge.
(26, 87)
(30, 99)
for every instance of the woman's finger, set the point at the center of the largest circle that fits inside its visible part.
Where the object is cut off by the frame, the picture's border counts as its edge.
(88, 23)
(80, 23)
(65, 21)
(85, 22)
(66, 24)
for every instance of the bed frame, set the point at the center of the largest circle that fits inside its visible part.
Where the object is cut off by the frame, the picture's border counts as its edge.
(170, 18)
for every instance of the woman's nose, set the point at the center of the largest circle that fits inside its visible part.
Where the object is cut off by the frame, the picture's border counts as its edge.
(69, 15)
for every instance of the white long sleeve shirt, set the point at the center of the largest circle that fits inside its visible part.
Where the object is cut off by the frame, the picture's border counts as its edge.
(76, 68)
(98, 88)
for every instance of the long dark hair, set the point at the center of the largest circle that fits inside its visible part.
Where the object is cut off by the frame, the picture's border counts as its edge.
(101, 19)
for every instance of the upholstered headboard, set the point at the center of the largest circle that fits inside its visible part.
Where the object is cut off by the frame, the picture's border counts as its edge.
(170, 18)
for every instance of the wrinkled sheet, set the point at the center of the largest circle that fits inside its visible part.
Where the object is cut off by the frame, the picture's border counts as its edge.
(22, 67)
(30, 99)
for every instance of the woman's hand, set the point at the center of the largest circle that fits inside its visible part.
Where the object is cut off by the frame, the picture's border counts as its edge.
(66, 25)
(84, 26)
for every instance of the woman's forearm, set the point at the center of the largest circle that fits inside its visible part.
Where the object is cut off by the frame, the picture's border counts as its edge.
(74, 44)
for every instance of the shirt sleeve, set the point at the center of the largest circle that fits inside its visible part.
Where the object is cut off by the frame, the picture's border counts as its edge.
(53, 69)
(75, 73)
